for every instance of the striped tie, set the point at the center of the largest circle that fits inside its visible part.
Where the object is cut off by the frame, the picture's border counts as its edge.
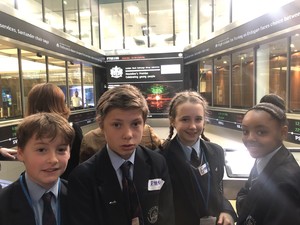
(132, 204)
(48, 214)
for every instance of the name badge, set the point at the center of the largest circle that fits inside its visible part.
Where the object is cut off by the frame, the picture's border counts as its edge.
(210, 220)
(155, 184)
(135, 221)
(203, 169)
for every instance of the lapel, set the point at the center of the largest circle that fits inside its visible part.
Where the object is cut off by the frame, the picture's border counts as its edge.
(255, 193)
(108, 188)
(142, 170)
(63, 201)
(20, 207)
(183, 174)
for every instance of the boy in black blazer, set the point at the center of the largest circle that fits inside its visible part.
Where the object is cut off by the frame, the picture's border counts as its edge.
(44, 147)
(97, 190)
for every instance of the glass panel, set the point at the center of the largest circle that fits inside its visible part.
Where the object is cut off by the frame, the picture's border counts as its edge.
(205, 79)
(242, 79)
(32, 8)
(33, 70)
(160, 32)
(221, 81)
(205, 18)
(193, 20)
(271, 69)
(221, 14)
(295, 74)
(75, 91)
(10, 100)
(135, 22)
(71, 14)
(10, 3)
(95, 24)
(182, 22)
(111, 25)
(85, 21)
(54, 16)
(246, 10)
(88, 86)
(57, 73)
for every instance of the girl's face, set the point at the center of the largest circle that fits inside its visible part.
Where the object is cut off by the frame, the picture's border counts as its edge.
(45, 159)
(262, 134)
(123, 130)
(189, 122)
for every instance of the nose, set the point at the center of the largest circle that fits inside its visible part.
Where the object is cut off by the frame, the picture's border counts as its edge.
(127, 133)
(193, 125)
(52, 157)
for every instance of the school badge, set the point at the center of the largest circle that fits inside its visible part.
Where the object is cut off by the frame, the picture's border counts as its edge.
(250, 221)
(153, 215)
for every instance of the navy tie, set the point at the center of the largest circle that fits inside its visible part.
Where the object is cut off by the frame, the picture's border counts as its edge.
(195, 161)
(48, 214)
(132, 204)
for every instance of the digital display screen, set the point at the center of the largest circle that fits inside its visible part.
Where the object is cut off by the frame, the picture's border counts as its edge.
(8, 136)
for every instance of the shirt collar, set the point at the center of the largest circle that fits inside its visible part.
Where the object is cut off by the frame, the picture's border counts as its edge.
(261, 163)
(116, 160)
(188, 149)
(36, 191)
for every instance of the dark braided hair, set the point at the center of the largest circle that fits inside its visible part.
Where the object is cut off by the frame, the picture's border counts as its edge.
(276, 112)
(274, 99)
(178, 99)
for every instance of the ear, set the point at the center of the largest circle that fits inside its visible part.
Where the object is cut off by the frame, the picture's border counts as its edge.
(20, 155)
(284, 132)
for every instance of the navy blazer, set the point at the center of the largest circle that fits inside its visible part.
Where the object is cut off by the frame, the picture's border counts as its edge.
(188, 203)
(15, 208)
(95, 196)
(275, 197)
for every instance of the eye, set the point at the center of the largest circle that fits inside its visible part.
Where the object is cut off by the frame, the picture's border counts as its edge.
(199, 119)
(137, 123)
(41, 150)
(116, 125)
(245, 132)
(261, 132)
(62, 149)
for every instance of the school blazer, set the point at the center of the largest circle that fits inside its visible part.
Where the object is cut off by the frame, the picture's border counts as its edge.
(188, 203)
(275, 197)
(95, 196)
(15, 209)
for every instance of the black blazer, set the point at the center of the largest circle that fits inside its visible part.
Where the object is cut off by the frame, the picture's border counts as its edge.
(95, 196)
(275, 197)
(188, 203)
(15, 209)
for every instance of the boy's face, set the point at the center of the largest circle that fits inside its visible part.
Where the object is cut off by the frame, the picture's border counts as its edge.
(261, 133)
(189, 122)
(45, 159)
(123, 130)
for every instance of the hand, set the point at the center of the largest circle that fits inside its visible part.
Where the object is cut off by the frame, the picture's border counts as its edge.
(225, 219)
(8, 153)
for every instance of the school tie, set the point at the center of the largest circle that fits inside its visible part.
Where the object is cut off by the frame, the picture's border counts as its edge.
(254, 174)
(195, 161)
(132, 204)
(48, 214)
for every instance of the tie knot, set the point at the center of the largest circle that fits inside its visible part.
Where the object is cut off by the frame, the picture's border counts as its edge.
(125, 169)
(47, 197)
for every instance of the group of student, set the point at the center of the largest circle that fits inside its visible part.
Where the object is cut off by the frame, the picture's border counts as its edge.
(126, 183)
